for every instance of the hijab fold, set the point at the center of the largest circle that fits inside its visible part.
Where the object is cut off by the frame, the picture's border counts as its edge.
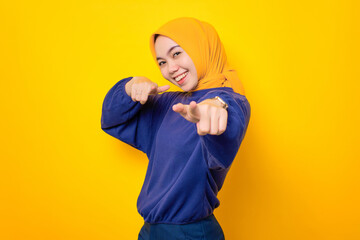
(201, 42)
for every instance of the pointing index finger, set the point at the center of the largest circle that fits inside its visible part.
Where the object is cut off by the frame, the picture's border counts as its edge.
(163, 88)
(194, 110)
(180, 108)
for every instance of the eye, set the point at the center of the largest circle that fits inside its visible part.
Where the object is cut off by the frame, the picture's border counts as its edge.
(164, 62)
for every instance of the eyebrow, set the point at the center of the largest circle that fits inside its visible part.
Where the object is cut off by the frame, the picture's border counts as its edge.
(168, 51)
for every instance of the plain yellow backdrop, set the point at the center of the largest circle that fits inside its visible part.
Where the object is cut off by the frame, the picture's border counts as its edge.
(296, 175)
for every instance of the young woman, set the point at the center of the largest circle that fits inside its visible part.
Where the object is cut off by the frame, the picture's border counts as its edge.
(191, 137)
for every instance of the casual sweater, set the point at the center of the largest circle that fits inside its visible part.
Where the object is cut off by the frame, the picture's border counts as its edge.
(185, 170)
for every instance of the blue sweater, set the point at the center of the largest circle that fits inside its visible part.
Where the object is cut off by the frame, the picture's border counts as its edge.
(185, 170)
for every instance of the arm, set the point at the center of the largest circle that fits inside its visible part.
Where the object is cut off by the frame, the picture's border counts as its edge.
(127, 119)
(221, 131)
(222, 149)
(118, 107)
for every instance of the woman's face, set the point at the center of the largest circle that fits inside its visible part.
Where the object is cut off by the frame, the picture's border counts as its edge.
(174, 62)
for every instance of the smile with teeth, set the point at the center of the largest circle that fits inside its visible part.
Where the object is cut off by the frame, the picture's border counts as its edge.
(181, 76)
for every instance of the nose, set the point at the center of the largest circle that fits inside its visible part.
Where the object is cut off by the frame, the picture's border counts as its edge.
(173, 67)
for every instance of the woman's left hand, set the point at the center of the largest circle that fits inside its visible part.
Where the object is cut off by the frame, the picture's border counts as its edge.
(210, 117)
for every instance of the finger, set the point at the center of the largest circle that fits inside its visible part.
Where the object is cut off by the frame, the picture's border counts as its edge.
(153, 90)
(144, 96)
(138, 94)
(180, 108)
(204, 125)
(163, 88)
(184, 110)
(194, 111)
(214, 122)
(223, 122)
(198, 128)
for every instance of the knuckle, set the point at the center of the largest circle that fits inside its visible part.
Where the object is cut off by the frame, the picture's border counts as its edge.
(200, 130)
(214, 131)
(205, 129)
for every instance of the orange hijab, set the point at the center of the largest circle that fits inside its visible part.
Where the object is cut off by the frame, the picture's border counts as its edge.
(202, 43)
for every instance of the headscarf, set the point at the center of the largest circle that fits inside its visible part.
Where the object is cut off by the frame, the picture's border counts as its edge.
(201, 42)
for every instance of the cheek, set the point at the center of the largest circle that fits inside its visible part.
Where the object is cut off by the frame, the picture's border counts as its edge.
(164, 74)
(195, 81)
(194, 75)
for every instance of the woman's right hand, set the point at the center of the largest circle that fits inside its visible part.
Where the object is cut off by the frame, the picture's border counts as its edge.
(139, 88)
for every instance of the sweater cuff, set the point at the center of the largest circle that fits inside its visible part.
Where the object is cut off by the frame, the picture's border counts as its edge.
(118, 107)
(121, 91)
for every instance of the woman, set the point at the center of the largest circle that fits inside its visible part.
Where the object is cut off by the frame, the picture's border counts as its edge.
(190, 137)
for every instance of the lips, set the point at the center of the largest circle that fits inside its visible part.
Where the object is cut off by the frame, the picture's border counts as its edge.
(179, 75)
(181, 82)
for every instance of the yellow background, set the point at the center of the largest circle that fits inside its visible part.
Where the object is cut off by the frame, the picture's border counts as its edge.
(297, 172)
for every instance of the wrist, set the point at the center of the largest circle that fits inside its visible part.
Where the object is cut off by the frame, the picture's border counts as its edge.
(217, 101)
(222, 103)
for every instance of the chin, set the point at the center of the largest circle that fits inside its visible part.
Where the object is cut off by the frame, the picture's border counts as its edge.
(189, 88)
(186, 88)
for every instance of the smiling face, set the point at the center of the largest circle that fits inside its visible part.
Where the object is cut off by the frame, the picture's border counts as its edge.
(174, 62)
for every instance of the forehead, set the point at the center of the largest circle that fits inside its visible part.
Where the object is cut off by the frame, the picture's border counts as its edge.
(163, 44)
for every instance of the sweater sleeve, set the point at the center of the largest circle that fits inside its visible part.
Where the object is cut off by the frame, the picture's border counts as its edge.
(126, 120)
(221, 149)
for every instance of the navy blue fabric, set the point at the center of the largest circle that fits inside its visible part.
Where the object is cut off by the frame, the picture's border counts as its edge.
(185, 170)
(206, 229)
